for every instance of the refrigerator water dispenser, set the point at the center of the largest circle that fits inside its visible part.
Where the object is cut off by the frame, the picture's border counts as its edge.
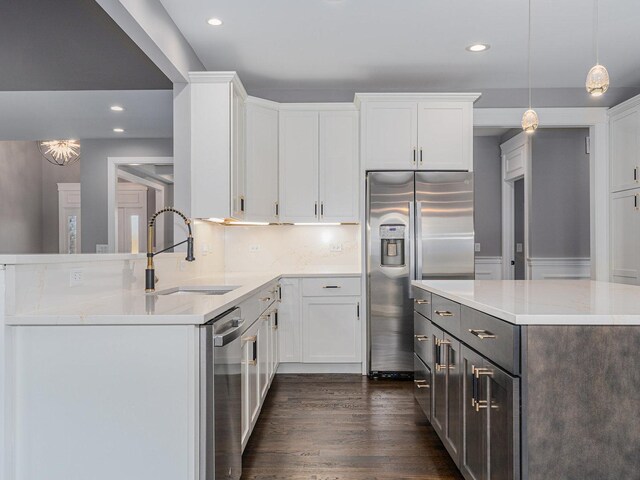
(392, 240)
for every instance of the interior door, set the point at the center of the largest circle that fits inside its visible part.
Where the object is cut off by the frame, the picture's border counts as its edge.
(518, 228)
(444, 225)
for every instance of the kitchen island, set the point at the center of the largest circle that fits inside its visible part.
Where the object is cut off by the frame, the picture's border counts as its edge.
(122, 384)
(531, 379)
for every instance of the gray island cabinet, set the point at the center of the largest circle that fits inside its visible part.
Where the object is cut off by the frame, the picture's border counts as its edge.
(531, 380)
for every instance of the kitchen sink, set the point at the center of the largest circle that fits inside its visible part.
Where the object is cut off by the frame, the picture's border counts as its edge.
(198, 290)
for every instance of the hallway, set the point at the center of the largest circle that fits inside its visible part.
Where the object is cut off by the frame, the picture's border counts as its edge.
(344, 427)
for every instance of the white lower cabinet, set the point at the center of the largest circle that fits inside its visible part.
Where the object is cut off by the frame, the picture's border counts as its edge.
(250, 381)
(289, 324)
(625, 230)
(319, 320)
(331, 330)
(264, 354)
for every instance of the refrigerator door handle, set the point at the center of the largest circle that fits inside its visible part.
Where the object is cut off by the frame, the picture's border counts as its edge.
(411, 247)
(418, 240)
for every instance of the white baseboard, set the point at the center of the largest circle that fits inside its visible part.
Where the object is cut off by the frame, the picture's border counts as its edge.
(320, 368)
(488, 268)
(567, 268)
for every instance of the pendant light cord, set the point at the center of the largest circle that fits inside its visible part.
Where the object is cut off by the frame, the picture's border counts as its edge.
(596, 31)
(529, 50)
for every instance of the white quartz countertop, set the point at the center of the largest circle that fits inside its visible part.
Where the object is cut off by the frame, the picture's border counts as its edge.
(544, 302)
(134, 307)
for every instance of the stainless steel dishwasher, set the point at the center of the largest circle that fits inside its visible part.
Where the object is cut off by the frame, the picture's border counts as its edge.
(220, 397)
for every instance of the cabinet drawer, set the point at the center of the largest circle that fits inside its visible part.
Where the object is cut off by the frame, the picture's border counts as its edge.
(331, 287)
(422, 385)
(422, 301)
(267, 296)
(422, 338)
(494, 338)
(446, 314)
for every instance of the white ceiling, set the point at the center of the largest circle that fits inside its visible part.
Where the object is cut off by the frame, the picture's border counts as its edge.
(41, 115)
(297, 49)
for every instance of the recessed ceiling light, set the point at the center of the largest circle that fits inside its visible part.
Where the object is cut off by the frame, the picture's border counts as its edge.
(118, 130)
(117, 108)
(478, 47)
(216, 22)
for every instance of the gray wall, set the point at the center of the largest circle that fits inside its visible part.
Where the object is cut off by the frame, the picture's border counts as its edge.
(20, 197)
(488, 195)
(560, 209)
(93, 174)
(29, 198)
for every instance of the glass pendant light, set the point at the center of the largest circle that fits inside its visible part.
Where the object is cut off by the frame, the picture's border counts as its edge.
(530, 117)
(598, 78)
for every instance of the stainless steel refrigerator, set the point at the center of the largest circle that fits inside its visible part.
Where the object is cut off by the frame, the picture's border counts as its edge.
(419, 226)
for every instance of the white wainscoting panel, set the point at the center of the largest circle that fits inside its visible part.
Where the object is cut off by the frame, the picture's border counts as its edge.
(488, 268)
(559, 268)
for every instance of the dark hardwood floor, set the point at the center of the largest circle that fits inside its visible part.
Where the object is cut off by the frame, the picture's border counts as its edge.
(344, 427)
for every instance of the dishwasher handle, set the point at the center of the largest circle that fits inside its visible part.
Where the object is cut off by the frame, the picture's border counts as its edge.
(230, 335)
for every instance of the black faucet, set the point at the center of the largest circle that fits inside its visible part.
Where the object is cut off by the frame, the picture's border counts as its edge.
(150, 274)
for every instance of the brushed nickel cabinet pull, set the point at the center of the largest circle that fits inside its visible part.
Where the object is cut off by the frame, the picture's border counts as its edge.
(315, 209)
(332, 286)
(421, 384)
(414, 155)
(635, 174)
(265, 299)
(481, 334)
(444, 313)
(421, 338)
(477, 373)
(322, 209)
(635, 200)
(422, 302)
(420, 155)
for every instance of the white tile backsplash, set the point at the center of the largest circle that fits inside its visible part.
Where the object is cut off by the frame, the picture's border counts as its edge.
(293, 248)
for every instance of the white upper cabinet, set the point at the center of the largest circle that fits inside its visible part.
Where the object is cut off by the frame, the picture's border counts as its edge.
(625, 145)
(299, 166)
(238, 157)
(445, 136)
(339, 166)
(417, 132)
(209, 146)
(261, 197)
(318, 165)
(390, 135)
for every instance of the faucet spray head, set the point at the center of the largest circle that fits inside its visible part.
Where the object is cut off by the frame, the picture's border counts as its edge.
(190, 257)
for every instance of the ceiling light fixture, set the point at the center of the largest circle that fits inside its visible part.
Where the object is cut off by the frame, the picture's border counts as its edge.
(116, 108)
(598, 78)
(530, 117)
(215, 22)
(478, 47)
(60, 152)
(118, 130)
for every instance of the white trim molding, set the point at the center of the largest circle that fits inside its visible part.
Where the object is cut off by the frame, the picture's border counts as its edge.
(559, 268)
(112, 180)
(488, 268)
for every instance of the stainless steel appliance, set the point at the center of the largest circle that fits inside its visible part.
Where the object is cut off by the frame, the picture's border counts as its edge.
(419, 226)
(220, 397)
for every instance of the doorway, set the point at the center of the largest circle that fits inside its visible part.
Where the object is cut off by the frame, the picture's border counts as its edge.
(518, 229)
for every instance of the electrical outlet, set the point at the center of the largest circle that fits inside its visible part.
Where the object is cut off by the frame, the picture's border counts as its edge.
(519, 247)
(335, 247)
(75, 278)
(254, 248)
(102, 248)
(477, 247)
